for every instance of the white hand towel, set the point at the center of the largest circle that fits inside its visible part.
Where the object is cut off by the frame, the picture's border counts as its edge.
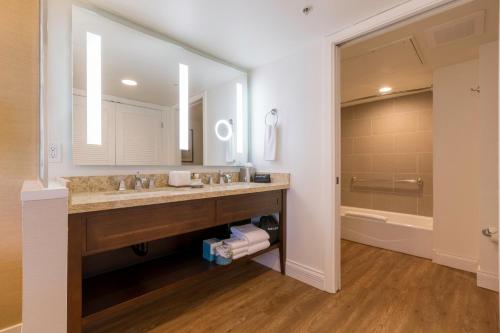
(236, 243)
(251, 233)
(270, 143)
(230, 150)
(258, 247)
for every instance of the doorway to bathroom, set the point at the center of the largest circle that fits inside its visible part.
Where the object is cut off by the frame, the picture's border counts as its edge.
(418, 144)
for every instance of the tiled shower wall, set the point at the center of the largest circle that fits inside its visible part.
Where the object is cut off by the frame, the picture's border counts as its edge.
(383, 143)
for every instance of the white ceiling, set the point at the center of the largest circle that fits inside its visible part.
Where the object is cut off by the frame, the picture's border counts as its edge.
(391, 59)
(153, 63)
(248, 33)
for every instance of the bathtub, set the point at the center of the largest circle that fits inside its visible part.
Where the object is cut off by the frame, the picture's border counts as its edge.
(411, 234)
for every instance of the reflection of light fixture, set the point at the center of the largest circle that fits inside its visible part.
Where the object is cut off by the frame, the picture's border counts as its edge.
(385, 90)
(93, 89)
(183, 107)
(128, 82)
(221, 124)
(239, 118)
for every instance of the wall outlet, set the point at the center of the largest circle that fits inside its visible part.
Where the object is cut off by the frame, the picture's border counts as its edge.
(54, 153)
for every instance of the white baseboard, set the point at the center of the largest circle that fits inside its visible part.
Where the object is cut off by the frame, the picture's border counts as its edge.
(453, 261)
(270, 259)
(303, 273)
(487, 280)
(13, 329)
(306, 274)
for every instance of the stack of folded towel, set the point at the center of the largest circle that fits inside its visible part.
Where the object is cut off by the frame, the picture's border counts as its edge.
(247, 239)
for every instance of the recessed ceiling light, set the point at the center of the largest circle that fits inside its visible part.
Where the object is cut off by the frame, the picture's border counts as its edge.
(307, 10)
(385, 90)
(128, 82)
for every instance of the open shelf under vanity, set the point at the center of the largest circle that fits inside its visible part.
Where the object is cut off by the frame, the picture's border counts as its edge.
(106, 278)
(108, 293)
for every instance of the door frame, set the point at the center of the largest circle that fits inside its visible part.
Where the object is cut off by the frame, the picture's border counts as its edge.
(392, 18)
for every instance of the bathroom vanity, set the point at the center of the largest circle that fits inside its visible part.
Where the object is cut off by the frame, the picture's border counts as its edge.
(103, 222)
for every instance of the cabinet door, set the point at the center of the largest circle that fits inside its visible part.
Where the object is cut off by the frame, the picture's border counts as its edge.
(84, 154)
(138, 136)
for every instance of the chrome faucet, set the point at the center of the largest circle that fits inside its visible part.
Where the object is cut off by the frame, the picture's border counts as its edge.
(221, 177)
(229, 177)
(139, 181)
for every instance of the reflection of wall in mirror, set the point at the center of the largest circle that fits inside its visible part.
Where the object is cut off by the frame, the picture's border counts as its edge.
(221, 105)
(195, 155)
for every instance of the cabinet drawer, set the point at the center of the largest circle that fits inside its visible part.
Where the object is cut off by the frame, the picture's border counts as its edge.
(120, 228)
(242, 207)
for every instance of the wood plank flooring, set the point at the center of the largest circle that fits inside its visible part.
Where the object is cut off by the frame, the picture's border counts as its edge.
(382, 291)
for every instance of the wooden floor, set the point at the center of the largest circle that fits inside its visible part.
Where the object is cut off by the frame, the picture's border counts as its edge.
(382, 291)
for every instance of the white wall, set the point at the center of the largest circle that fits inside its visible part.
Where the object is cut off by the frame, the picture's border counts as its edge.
(457, 151)
(221, 104)
(488, 106)
(293, 86)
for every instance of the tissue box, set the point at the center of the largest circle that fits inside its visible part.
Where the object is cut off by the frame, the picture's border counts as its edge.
(179, 178)
(209, 246)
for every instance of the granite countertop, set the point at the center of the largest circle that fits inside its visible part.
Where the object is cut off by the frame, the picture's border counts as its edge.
(83, 202)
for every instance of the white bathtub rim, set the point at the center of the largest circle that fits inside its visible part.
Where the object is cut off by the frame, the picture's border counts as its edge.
(428, 222)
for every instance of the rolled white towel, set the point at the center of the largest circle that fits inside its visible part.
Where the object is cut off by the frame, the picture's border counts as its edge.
(258, 247)
(236, 243)
(251, 233)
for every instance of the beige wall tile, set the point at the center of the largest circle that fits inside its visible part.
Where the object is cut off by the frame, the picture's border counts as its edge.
(356, 127)
(362, 145)
(361, 163)
(425, 121)
(405, 163)
(383, 144)
(396, 123)
(346, 146)
(385, 141)
(384, 163)
(347, 113)
(427, 188)
(346, 163)
(395, 203)
(425, 163)
(356, 199)
(424, 142)
(345, 181)
(406, 143)
(412, 103)
(425, 206)
(375, 109)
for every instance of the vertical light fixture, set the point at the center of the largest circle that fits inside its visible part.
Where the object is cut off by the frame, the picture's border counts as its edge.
(93, 89)
(239, 118)
(183, 106)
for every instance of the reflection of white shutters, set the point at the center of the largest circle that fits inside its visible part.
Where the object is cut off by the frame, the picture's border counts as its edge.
(171, 154)
(84, 154)
(138, 136)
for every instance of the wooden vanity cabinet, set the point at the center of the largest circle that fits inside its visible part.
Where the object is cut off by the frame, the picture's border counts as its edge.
(99, 297)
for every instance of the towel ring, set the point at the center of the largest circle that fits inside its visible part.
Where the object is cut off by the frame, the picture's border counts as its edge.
(272, 113)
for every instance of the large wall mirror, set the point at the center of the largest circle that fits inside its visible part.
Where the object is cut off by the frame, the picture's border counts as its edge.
(139, 99)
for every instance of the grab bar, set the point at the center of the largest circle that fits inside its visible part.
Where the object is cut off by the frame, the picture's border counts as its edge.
(419, 181)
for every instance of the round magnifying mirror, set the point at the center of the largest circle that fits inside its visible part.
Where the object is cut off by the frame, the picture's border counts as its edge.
(223, 130)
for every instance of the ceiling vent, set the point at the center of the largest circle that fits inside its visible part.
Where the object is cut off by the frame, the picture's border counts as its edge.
(461, 28)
